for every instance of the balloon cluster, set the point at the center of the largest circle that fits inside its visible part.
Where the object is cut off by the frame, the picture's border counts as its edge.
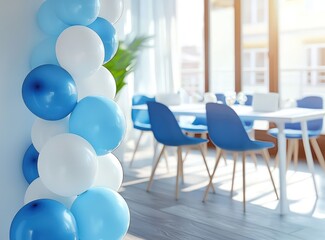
(73, 176)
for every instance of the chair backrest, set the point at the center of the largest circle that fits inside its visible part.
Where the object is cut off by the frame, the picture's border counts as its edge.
(164, 124)
(169, 99)
(221, 98)
(225, 127)
(313, 102)
(140, 115)
(266, 102)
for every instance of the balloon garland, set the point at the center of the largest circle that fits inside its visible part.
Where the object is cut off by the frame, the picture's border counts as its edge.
(73, 176)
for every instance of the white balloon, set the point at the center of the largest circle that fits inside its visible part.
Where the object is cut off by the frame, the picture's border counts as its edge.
(67, 164)
(111, 10)
(37, 190)
(43, 130)
(110, 172)
(80, 51)
(102, 83)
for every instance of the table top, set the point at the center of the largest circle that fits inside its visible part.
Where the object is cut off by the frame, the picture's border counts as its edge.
(247, 113)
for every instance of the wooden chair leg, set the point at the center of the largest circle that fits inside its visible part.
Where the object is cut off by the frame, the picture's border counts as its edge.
(206, 164)
(244, 181)
(154, 169)
(233, 173)
(205, 145)
(219, 153)
(254, 158)
(179, 166)
(223, 156)
(295, 153)
(266, 157)
(318, 152)
(166, 160)
(276, 160)
(136, 148)
(290, 151)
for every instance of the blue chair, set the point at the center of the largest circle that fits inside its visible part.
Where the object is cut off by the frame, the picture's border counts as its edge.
(226, 131)
(140, 119)
(293, 131)
(248, 125)
(166, 131)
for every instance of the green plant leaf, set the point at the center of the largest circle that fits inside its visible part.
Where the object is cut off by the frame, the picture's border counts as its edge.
(125, 59)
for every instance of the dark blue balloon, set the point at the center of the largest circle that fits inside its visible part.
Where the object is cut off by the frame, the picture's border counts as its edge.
(30, 164)
(44, 219)
(107, 34)
(50, 92)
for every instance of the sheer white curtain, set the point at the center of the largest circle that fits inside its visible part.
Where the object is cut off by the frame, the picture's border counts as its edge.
(158, 68)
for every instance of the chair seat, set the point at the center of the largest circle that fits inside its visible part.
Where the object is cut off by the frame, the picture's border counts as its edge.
(187, 140)
(142, 126)
(193, 128)
(249, 146)
(293, 133)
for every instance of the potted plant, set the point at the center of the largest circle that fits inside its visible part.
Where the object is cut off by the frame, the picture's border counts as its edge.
(121, 65)
(125, 59)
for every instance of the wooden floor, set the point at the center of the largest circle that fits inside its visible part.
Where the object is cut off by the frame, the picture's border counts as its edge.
(157, 215)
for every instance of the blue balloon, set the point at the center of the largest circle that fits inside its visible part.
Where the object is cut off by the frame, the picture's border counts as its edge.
(107, 34)
(100, 121)
(30, 164)
(44, 219)
(49, 92)
(77, 12)
(47, 20)
(44, 53)
(107, 208)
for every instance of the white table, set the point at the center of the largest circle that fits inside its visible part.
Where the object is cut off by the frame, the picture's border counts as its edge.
(280, 117)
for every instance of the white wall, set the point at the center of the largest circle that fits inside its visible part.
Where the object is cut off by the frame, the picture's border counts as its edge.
(18, 34)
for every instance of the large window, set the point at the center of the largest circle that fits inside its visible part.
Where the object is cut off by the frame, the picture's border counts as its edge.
(255, 68)
(222, 51)
(254, 11)
(190, 24)
(302, 48)
(315, 72)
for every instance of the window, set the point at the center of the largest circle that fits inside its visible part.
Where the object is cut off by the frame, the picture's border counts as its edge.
(254, 11)
(315, 73)
(191, 45)
(255, 68)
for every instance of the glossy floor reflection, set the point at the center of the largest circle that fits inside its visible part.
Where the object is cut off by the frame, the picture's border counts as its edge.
(157, 215)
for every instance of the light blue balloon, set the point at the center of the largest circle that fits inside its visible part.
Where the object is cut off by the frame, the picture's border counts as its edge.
(44, 53)
(47, 20)
(108, 35)
(77, 12)
(100, 121)
(101, 213)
